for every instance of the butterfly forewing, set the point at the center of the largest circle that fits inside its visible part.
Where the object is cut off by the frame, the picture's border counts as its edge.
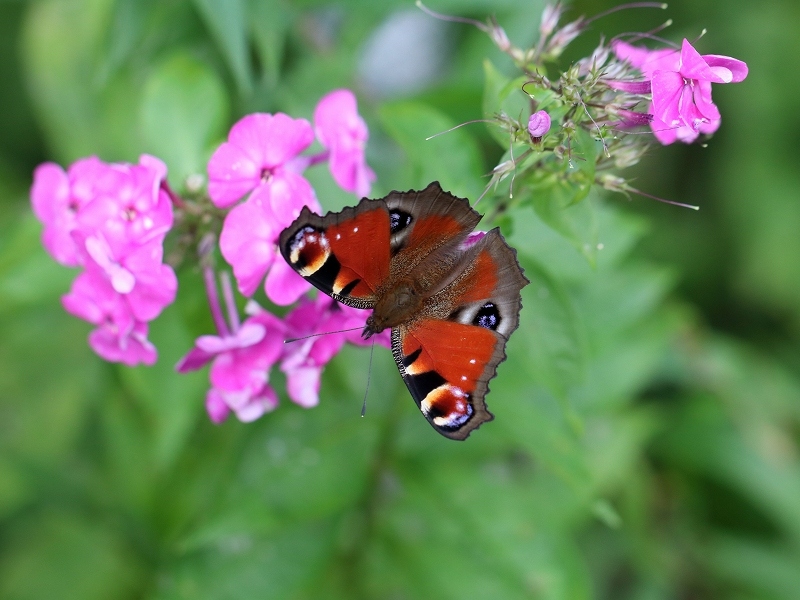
(345, 254)
(428, 222)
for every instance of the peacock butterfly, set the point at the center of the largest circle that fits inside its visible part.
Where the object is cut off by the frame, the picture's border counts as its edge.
(451, 304)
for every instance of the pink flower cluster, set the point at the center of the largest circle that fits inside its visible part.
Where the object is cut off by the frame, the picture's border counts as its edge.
(262, 161)
(242, 355)
(111, 220)
(680, 84)
(258, 172)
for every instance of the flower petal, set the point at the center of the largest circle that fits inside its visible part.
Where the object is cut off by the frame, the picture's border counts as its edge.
(283, 285)
(247, 242)
(302, 385)
(730, 69)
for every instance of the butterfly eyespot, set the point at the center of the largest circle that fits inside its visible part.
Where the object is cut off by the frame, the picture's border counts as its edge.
(488, 317)
(398, 220)
(308, 250)
(447, 407)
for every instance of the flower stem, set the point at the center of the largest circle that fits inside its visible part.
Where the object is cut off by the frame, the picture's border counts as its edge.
(230, 303)
(209, 278)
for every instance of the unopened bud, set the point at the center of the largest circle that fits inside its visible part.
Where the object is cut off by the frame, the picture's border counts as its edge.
(538, 125)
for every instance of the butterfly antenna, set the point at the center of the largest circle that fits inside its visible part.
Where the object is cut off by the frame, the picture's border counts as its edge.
(305, 337)
(369, 376)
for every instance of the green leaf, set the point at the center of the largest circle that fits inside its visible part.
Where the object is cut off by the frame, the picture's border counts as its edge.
(227, 20)
(279, 565)
(81, 113)
(270, 21)
(56, 553)
(502, 95)
(452, 159)
(556, 344)
(173, 401)
(183, 111)
(556, 198)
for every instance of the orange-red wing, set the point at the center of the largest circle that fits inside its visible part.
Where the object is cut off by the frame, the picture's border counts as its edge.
(344, 254)
(446, 366)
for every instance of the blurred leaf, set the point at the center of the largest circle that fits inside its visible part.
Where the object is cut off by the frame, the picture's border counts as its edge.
(62, 553)
(78, 119)
(705, 442)
(557, 199)
(270, 21)
(173, 401)
(280, 565)
(227, 21)
(502, 95)
(184, 110)
(452, 158)
(767, 570)
(556, 344)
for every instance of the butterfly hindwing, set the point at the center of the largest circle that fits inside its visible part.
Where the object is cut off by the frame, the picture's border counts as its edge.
(449, 354)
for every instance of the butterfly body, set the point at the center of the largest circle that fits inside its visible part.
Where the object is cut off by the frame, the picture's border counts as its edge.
(450, 302)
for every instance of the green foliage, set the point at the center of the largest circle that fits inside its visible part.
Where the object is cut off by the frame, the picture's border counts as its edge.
(645, 443)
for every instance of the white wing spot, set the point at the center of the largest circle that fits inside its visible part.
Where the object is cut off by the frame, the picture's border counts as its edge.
(355, 229)
(338, 236)
(472, 361)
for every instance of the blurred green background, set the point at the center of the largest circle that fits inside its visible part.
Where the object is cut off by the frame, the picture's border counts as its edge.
(645, 444)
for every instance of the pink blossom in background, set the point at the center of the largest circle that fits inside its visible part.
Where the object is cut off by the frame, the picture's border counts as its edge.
(681, 87)
(110, 219)
(57, 197)
(342, 131)
(119, 337)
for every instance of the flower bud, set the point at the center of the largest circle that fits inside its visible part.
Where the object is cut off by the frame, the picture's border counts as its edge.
(538, 125)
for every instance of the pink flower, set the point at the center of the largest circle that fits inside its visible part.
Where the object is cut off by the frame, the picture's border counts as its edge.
(249, 238)
(259, 150)
(681, 87)
(304, 360)
(343, 132)
(138, 275)
(112, 220)
(57, 197)
(129, 206)
(261, 158)
(119, 337)
(241, 362)
(538, 124)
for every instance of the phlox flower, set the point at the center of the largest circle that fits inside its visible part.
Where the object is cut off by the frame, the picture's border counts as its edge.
(110, 219)
(680, 83)
(130, 206)
(342, 131)
(57, 197)
(240, 366)
(118, 337)
(261, 158)
(138, 275)
(538, 124)
(304, 360)
(262, 163)
(249, 240)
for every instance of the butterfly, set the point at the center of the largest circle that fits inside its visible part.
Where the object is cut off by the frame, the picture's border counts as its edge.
(451, 302)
